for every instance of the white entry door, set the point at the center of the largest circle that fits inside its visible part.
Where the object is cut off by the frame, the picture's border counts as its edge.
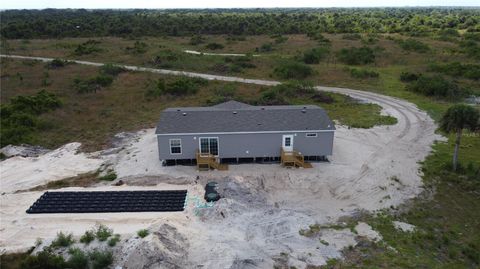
(287, 143)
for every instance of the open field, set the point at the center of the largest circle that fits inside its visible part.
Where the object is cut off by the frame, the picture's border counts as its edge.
(387, 198)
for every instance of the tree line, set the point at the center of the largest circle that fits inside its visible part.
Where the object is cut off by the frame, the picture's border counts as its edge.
(57, 23)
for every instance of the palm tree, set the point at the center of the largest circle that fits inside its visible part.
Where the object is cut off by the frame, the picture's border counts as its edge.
(457, 118)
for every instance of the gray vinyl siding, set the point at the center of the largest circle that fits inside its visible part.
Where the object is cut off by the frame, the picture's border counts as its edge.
(249, 145)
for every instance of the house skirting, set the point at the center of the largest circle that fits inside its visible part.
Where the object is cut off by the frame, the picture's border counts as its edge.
(266, 160)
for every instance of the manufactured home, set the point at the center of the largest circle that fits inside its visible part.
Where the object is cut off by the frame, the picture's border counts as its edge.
(235, 132)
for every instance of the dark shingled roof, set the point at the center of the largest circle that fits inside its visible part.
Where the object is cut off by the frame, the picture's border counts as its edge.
(233, 116)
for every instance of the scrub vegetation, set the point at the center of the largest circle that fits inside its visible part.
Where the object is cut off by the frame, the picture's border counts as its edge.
(428, 56)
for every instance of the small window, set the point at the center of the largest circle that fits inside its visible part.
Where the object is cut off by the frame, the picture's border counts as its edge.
(175, 146)
(288, 141)
(311, 135)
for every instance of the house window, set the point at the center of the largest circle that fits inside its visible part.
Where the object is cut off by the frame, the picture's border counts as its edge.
(311, 135)
(288, 141)
(175, 146)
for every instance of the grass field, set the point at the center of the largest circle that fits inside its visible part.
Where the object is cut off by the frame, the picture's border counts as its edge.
(446, 215)
(94, 118)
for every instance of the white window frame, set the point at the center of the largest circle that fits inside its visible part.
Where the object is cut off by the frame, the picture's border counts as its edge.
(311, 135)
(208, 137)
(170, 144)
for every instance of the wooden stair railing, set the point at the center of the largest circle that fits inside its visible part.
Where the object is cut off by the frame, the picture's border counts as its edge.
(293, 159)
(206, 162)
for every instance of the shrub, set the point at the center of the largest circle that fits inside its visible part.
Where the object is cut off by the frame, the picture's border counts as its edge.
(471, 48)
(56, 63)
(87, 47)
(411, 44)
(62, 240)
(101, 260)
(214, 46)
(236, 64)
(111, 69)
(138, 48)
(318, 37)
(109, 177)
(293, 70)
(356, 56)
(278, 95)
(143, 233)
(363, 73)
(92, 84)
(103, 232)
(435, 86)
(87, 237)
(470, 71)
(314, 56)
(196, 40)
(185, 86)
(42, 260)
(114, 240)
(267, 47)
(78, 259)
(409, 76)
(280, 39)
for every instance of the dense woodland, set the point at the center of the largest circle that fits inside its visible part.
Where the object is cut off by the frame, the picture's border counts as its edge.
(50, 23)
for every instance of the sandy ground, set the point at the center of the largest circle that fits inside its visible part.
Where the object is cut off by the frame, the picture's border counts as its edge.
(264, 206)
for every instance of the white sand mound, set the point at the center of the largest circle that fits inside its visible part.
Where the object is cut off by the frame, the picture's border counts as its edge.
(366, 230)
(20, 173)
(403, 226)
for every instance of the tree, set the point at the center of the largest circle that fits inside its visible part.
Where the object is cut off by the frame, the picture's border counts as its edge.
(455, 120)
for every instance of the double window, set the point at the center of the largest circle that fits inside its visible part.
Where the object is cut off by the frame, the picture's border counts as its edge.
(209, 145)
(176, 146)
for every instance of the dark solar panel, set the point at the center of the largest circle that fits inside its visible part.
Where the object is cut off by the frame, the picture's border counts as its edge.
(109, 201)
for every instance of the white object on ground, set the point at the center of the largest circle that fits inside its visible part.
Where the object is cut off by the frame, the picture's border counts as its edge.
(363, 229)
(404, 227)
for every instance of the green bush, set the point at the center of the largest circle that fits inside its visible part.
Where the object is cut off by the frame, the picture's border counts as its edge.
(280, 94)
(315, 55)
(143, 233)
(214, 46)
(409, 76)
(317, 36)
(179, 87)
(87, 47)
(109, 177)
(411, 44)
(78, 259)
(471, 48)
(114, 240)
(62, 240)
(87, 237)
(92, 84)
(456, 69)
(356, 56)
(279, 39)
(111, 69)
(103, 232)
(138, 48)
(101, 260)
(293, 70)
(267, 47)
(197, 40)
(436, 86)
(19, 118)
(43, 260)
(56, 63)
(363, 73)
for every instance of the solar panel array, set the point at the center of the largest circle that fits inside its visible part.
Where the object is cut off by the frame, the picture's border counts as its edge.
(109, 201)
